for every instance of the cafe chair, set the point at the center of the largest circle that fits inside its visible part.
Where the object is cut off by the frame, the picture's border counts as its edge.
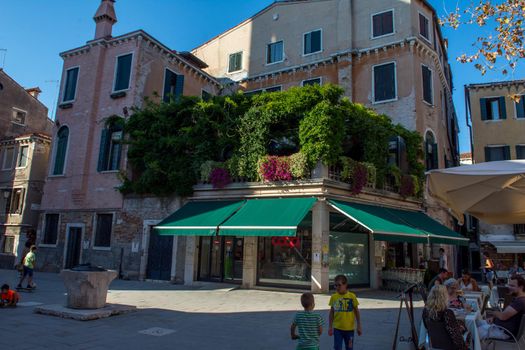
(484, 304)
(518, 339)
(438, 337)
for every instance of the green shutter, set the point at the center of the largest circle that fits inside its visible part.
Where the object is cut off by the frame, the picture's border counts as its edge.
(520, 108)
(435, 159)
(103, 150)
(502, 109)
(506, 152)
(168, 76)
(179, 86)
(483, 108)
(60, 155)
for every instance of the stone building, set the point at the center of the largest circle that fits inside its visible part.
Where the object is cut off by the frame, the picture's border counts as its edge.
(24, 148)
(401, 71)
(496, 116)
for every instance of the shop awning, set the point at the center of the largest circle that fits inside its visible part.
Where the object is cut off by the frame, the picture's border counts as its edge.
(397, 225)
(268, 217)
(511, 247)
(198, 218)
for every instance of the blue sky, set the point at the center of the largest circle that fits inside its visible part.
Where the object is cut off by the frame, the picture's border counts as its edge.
(52, 26)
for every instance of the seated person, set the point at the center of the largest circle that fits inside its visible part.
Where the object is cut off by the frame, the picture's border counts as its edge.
(515, 269)
(452, 291)
(510, 318)
(437, 310)
(439, 278)
(467, 283)
(8, 297)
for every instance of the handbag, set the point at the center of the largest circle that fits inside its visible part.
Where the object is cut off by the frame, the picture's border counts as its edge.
(405, 344)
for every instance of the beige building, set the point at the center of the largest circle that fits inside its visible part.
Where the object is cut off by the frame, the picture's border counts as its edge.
(387, 55)
(24, 150)
(497, 124)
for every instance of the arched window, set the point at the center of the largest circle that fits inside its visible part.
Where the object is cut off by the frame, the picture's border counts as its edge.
(60, 150)
(431, 151)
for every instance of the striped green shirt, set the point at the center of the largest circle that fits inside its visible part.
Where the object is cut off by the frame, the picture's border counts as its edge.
(308, 324)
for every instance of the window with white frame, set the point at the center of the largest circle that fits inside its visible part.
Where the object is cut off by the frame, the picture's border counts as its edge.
(23, 155)
(8, 159)
(385, 82)
(313, 42)
(235, 62)
(123, 72)
(51, 228)
(110, 148)
(104, 226)
(275, 52)
(424, 29)
(19, 116)
(313, 81)
(382, 23)
(70, 87)
(427, 84)
(11, 200)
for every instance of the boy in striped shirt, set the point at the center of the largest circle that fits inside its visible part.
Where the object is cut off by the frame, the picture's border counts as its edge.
(309, 325)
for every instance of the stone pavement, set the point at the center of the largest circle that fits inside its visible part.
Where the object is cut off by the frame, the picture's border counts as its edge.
(208, 315)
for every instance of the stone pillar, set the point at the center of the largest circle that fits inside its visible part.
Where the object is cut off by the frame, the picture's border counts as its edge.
(374, 276)
(189, 262)
(320, 247)
(249, 263)
(173, 276)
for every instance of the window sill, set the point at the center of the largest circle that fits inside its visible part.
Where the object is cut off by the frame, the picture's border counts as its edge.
(118, 94)
(488, 121)
(47, 245)
(109, 172)
(428, 104)
(235, 71)
(384, 101)
(273, 63)
(382, 36)
(312, 53)
(16, 123)
(65, 105)
(104, 249)
(58, 175)
(425, 38)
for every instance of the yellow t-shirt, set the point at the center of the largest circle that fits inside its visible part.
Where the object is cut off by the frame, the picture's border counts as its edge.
(344, 305)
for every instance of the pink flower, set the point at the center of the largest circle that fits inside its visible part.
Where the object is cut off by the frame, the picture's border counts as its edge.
(219, 177)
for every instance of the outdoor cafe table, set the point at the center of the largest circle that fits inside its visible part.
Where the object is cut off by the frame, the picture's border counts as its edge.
(470, 323)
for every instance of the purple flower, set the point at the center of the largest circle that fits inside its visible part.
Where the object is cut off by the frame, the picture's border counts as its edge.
(220, 177)
(276, 169)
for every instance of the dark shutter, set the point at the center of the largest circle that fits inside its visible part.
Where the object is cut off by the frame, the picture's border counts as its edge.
(427, 84)
(435, 159)
(483, 108)
(123, 72)
(71, 84)
(506, 152)
(308, 43)
(387, 22)
(502, 109)
(316, 41)
(520, 152)
(488, 154)
(376, 25)
(231, 66)
(384, 82)
(179, 86)
(169, 83)
(103, 151)
(520, 108)
(60, 154)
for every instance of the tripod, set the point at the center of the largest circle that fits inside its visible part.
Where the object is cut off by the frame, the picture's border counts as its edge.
(408, 292)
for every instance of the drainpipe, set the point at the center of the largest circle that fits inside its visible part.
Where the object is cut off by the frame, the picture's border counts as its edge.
(467, 113)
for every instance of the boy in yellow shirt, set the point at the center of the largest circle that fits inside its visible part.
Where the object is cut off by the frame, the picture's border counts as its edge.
(343, 315)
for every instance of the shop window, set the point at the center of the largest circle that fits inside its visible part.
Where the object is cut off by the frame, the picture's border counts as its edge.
(275, 52)
(313, 42)
(173, 86)
(495, 153)
(60, 150)
(8, 159)
(104, 226)
(23, 154)
(9, 245)
(431, 151)
(235, 62)
(382, 24)
(493, 108)
(285, 260)
(70, 87)
(123, 72)
(110, 149)
(384, 82)
(51, 229)
(349, 256)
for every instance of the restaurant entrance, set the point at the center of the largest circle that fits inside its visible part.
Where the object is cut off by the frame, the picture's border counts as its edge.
(221, 259)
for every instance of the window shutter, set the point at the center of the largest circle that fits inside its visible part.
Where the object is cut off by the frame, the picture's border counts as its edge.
(376, 25)
(316, 41)
(487, 154)
(435, 159)
(506, 152)
(167, 86)
(179, 86)
(378, 84)
(520, 108)
(502, 108)
(103, 151)
(60, 155)
(483, 108)
(307, 43)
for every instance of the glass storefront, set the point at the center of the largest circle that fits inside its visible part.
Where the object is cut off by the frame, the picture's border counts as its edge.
(221, 258)
(285, 260)
(349, 256)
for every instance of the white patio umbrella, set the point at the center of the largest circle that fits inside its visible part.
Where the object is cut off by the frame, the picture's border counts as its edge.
(493, 191)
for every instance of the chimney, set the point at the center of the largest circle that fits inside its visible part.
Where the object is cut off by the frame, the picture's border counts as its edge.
(34, 92)
(105, 18)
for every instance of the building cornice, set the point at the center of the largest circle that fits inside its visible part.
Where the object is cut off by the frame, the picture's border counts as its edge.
(26, 139)
(495, 84)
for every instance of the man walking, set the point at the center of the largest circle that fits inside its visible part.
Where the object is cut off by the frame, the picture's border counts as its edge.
(29, 265)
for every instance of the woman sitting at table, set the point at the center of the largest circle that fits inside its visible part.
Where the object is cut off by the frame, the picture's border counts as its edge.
(452, 290)
(467, 283)
(437, 310)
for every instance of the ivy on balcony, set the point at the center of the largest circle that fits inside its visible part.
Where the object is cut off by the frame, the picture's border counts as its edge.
(270, 137)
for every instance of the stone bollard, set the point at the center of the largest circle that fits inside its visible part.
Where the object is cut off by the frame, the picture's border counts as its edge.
(87, 289)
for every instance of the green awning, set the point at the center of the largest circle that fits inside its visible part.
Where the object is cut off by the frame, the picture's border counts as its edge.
(380, 221)
(388, 224)
(198, 218)
(268, 217)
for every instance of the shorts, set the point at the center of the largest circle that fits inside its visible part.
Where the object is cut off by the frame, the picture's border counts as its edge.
(489, 275)
(343, 337)
(28, 271)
